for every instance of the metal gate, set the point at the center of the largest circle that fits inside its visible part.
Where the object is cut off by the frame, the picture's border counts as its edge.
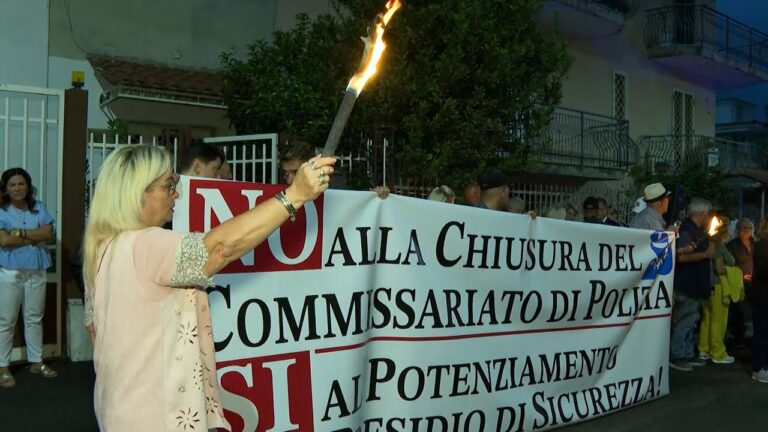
(253, 157)
(31, 137)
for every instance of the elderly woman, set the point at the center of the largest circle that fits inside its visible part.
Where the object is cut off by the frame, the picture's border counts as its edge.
(153, 347)
(25, 226)
(741, 248)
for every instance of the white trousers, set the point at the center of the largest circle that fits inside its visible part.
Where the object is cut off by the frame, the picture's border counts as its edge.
(17, 288)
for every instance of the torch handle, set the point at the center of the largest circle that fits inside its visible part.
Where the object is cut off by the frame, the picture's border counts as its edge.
(342, 115)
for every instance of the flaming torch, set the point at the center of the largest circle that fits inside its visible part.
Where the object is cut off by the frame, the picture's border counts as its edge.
(714, 225)
(374, 48)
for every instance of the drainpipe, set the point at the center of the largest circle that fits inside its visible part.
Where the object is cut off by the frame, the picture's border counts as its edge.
(762, 204)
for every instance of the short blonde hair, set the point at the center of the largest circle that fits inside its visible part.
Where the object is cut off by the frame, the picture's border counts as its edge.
(442, 194)
(556, 213)
(117, 199)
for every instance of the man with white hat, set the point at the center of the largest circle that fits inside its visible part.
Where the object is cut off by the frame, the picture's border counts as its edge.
(656, 199)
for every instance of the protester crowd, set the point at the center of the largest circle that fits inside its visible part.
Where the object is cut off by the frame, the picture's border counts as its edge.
(721, 278)
(720, 284)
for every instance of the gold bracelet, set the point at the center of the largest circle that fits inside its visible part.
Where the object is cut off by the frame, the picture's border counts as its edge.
(287, 204)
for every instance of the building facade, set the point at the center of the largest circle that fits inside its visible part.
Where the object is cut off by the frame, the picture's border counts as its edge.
(642, 90)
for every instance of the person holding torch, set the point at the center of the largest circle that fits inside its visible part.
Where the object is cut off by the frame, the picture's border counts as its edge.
(693, 283)
(153, 347)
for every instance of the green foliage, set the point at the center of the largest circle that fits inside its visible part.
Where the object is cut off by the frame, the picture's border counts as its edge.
(291, 85)
(697, 180)
(463, 83)
(119, 127)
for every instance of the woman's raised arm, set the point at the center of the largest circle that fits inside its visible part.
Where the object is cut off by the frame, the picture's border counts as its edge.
(235, 237)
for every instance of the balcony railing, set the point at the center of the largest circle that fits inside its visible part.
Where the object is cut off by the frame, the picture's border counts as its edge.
(621, 6)
(582, 139)
(669, 152)
(703, 27)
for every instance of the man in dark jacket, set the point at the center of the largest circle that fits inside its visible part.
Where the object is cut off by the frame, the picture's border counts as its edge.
(693, 284)
(602, 213)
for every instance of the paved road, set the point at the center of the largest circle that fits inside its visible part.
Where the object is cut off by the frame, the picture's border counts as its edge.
(710, 399)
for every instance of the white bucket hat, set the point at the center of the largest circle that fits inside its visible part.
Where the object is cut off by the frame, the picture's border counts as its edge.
(654, 192)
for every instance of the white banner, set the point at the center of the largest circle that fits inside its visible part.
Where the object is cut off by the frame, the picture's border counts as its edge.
(410, 315)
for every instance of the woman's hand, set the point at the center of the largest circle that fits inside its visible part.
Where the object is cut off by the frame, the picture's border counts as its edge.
(312, 179)
(243, 233)
(381, 191)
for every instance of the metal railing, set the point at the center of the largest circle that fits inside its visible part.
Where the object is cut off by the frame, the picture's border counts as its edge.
(582, 139)
(703, 27)
(253, 158)
(622, 6)
(542, 198)
(670, 152)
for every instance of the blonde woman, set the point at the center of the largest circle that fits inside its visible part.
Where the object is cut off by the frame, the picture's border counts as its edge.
(442, 194)
(153, 347)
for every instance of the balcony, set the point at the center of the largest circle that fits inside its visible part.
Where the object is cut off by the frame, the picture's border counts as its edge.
(593, 143)
(585, 18)
(664, 153)
(706, 47)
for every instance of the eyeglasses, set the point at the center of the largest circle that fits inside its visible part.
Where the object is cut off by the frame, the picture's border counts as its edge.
(172, 188)
(172, 185)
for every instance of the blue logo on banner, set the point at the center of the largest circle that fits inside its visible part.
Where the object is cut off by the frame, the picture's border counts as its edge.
(662, 264)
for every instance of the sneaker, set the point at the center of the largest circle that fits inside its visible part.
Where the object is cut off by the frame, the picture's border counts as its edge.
(704, 356)
(696, 361)
(680, 365)
(761, 376)
(725, 360)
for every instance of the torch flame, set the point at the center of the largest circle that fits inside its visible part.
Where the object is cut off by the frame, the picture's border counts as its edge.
(714, 225)
(372, 52)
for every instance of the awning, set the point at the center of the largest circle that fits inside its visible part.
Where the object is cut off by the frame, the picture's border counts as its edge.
(157, 94)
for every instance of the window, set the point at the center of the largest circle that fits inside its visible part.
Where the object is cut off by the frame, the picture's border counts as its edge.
(619, 96)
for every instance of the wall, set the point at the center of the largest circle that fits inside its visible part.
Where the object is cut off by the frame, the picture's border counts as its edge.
(24, 42)
(286, 11)
(60, 76)
(177, 33)
(589, 84)
(184, 33)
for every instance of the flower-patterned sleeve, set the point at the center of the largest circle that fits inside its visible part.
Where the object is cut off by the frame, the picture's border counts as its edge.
(87, 308)
(170, 258)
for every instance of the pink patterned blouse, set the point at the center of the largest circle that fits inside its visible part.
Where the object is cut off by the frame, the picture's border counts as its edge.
(153, 354)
